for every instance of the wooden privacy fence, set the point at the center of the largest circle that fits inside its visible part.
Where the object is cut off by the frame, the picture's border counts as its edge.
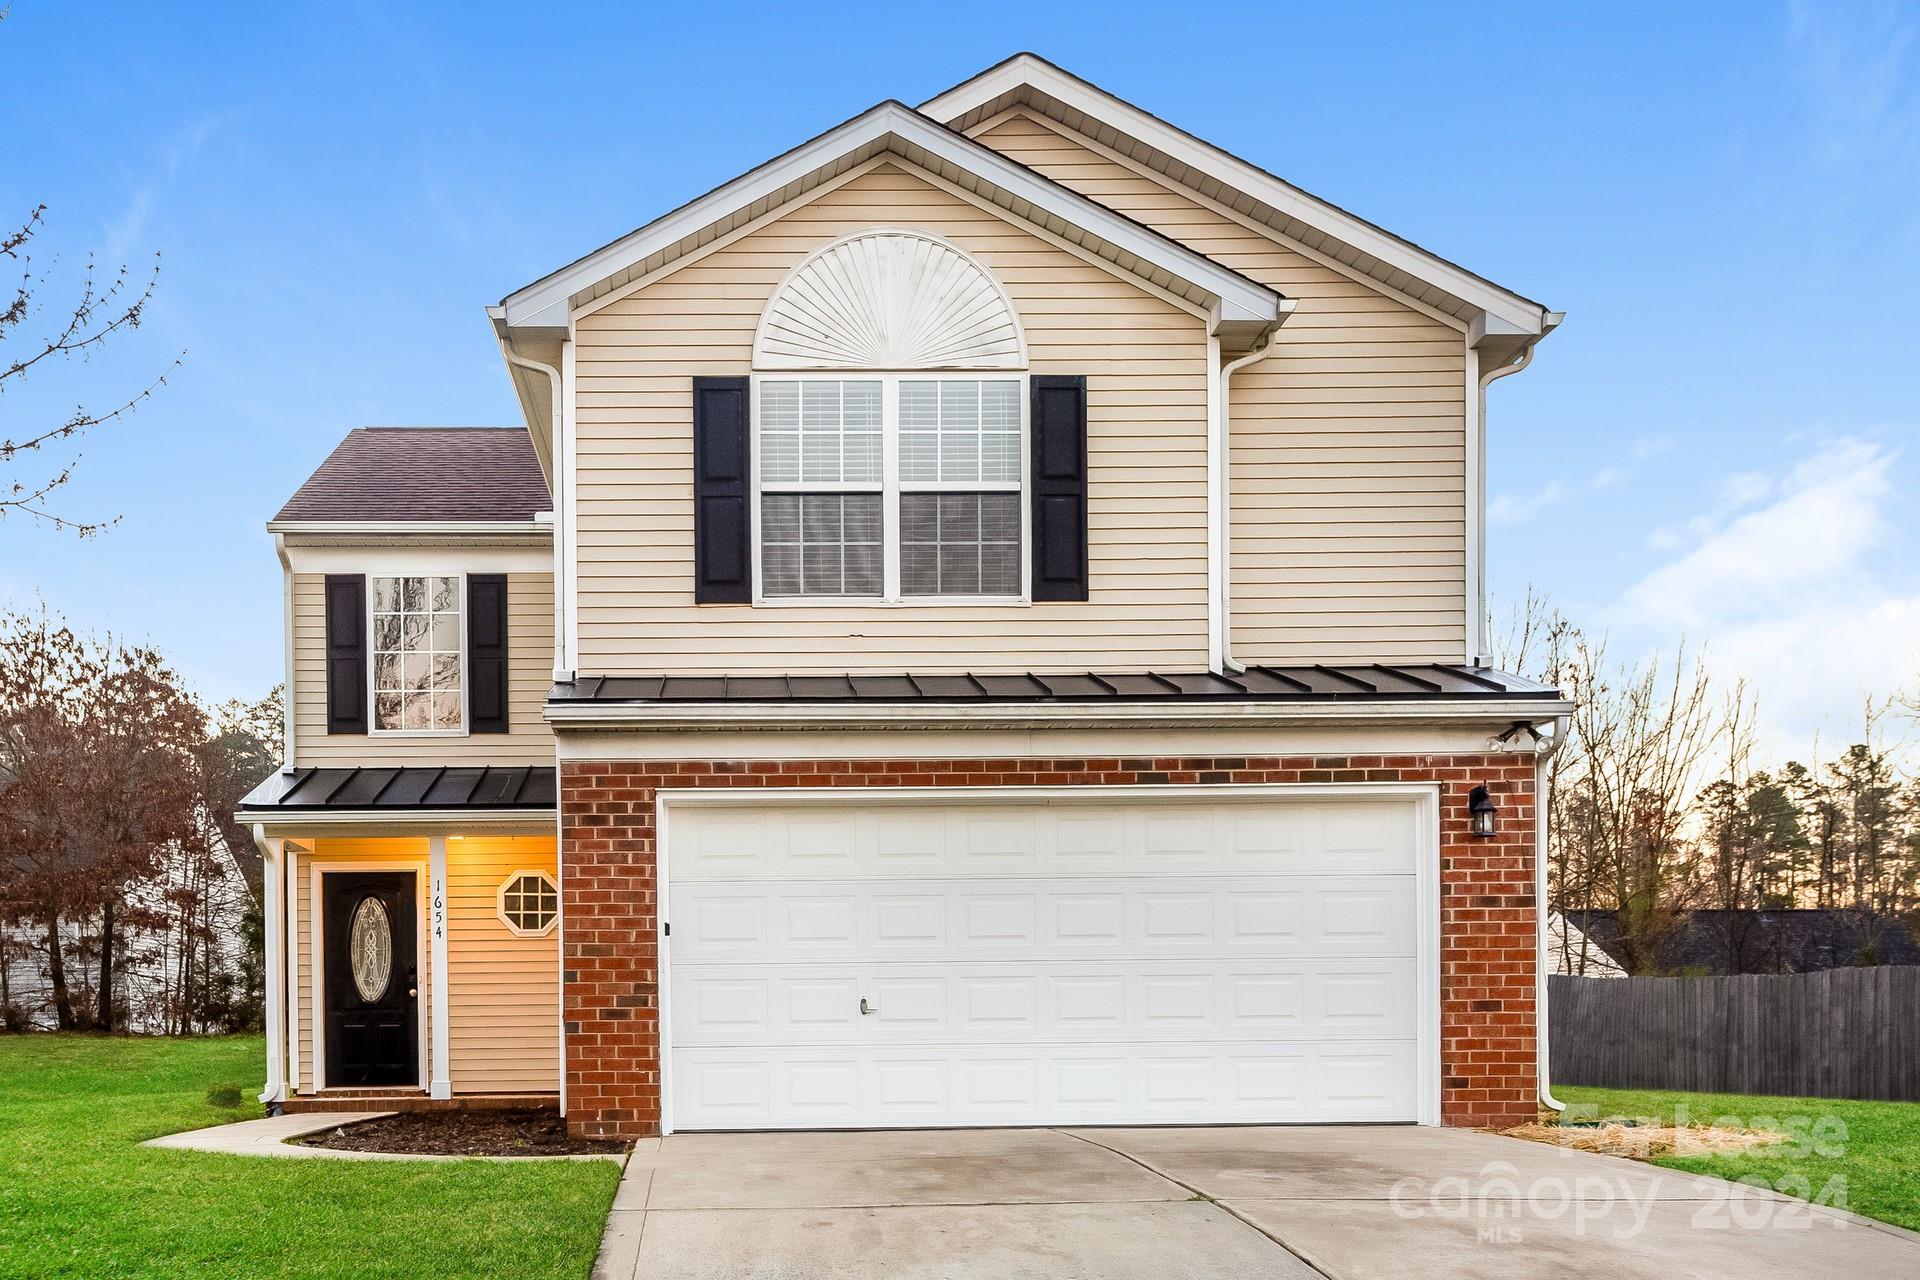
(1839, 1033)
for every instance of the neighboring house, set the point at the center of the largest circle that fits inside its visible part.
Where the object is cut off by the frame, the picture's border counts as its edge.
(149, 968)
(1797, 940)
(1571, 952)
(982, 624)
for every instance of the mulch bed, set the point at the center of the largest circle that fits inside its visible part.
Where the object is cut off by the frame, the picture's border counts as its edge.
(463, 1133)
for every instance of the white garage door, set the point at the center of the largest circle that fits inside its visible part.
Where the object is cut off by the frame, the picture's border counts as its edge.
(1118, 960)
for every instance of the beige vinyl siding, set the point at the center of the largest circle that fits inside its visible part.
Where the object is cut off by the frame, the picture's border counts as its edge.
(528, 740)
(1145, 360)
(1348, 449)
(502, 990)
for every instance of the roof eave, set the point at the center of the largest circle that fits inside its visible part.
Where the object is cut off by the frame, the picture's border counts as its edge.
(537, 530)
(1232, 299)
(272, 823)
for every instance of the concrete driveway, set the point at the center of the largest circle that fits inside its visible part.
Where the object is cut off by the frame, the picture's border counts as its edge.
(1203, 1204)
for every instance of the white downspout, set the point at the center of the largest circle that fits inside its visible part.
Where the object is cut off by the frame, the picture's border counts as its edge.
(1542, 796)
(286, 644)
(1477, 623)
(1216, 510)
(1220, 491)
(562, 655)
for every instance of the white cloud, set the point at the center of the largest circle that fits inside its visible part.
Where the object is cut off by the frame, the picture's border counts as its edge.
(1792, 583)
(1507, 508)
(1856, 65)
(1519, 508)
(1646, 448)
(1764, 560)
(122, 234)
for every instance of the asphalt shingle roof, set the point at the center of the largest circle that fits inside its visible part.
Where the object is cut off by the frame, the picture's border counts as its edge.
(425, 473)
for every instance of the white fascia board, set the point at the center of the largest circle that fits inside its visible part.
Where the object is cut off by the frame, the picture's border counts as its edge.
(535, 529)
(1234, 298)
(435, 556)
(1027, 71)
(1092, 715)
(295, 823)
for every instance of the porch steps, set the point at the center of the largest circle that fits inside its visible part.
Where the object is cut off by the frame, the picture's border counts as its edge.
(414, 1100)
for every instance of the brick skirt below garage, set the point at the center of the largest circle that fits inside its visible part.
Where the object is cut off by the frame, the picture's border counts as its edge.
(611, 945)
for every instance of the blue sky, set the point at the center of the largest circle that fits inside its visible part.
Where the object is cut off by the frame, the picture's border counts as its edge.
(1725, 199)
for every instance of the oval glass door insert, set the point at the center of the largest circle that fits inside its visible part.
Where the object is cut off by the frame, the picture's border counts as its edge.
(370, 948)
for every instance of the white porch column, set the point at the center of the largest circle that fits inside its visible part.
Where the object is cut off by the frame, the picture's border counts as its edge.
(290, 857)
(276, 986)
(441, 1076)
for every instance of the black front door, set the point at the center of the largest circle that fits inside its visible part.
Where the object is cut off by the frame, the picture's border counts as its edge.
(372, 984)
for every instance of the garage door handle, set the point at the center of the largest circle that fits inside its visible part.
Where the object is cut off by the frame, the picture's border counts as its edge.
(865, 1007)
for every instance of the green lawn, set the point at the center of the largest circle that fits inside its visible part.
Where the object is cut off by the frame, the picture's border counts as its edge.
(79, 1198)
(1874, 1147)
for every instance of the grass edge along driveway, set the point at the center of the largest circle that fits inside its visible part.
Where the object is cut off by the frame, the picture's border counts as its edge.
(80, 1197)
(1872, 1148)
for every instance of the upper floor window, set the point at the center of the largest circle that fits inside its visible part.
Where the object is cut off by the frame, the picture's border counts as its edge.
(889, 419)
(416, 653)
(935, 460)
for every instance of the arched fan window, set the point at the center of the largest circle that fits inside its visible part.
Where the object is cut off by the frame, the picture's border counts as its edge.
(890, 412)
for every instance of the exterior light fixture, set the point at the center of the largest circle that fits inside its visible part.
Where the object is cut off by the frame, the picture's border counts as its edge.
(1482, 812)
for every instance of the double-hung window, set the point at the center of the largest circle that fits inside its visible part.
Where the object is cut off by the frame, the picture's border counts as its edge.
(891, 487)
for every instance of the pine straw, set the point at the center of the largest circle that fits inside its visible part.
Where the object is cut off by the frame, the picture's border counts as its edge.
(1646, 1142)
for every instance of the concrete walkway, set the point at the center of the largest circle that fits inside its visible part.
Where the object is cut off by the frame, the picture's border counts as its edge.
(1205, 1204)
(274, 1136)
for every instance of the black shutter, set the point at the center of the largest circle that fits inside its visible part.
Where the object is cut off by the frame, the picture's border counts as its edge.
(487, 652)
(1059, 424)
(346, 653)
(722, 542)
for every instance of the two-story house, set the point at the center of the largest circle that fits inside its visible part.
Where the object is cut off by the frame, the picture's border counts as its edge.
(982, 624)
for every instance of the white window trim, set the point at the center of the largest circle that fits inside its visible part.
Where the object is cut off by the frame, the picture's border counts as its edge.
(466, 664)
(500, 903)
(890, 488)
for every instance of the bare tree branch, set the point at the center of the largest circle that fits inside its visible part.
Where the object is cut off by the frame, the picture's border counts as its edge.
(86, 325)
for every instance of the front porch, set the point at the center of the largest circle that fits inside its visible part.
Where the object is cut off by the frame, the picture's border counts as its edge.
(413, 958)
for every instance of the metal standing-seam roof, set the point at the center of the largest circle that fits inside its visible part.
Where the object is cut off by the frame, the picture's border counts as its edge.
(1435, 681)
(402, 788)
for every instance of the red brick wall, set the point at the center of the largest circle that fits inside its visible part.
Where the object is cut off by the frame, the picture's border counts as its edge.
(610, 945)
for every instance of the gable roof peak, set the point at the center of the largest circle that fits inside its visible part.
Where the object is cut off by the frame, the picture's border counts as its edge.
(1240, 307)
(1028, 79)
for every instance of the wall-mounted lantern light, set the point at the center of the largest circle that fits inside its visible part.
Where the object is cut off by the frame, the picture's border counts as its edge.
(1482, 812)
